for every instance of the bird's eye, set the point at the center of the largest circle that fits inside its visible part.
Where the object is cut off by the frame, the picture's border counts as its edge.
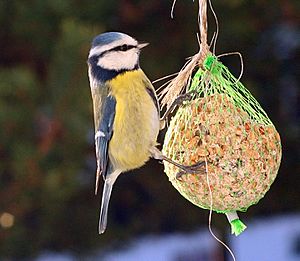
(124, 47)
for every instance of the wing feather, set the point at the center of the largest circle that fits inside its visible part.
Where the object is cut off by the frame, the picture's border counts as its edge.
(103, 136)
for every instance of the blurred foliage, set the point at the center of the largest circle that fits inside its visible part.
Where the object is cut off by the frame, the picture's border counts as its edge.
(46, 136)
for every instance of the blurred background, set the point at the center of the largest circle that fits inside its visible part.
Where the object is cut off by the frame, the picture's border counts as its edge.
(48, 210)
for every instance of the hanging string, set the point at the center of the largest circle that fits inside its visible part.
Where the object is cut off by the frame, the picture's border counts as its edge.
(216, 34)
(202, 16)
(172, 9)
(210, 214)
(177, 85)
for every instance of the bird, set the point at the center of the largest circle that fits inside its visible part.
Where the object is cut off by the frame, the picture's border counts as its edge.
(126, 112)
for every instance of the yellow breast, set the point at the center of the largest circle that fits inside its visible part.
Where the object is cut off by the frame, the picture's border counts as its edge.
(136, 123)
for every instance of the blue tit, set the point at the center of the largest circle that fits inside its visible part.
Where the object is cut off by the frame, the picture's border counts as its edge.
(126, 110)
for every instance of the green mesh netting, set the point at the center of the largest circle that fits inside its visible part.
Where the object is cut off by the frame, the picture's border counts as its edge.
(225, 125)
(217, 79)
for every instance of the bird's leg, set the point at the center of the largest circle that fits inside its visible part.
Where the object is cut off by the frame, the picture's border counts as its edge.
(191, 169)
(178, 101)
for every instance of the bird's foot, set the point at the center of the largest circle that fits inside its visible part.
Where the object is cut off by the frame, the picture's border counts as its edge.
(177, 102)
(196, 168)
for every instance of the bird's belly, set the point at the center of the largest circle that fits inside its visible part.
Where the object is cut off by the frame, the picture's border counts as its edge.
(135, 131)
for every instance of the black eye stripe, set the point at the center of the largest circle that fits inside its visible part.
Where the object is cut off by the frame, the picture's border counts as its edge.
(123, 48)
(120, 48)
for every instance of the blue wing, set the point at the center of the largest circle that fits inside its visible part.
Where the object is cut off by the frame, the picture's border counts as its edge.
(103, 136)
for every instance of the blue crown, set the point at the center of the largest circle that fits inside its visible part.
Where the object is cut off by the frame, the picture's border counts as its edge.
(106, 38)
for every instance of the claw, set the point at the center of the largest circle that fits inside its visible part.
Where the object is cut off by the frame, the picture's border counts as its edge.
(178, 101)
(196, 168)
(192, 169)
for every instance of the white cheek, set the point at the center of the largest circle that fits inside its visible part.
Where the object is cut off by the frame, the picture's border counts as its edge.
(119, 60)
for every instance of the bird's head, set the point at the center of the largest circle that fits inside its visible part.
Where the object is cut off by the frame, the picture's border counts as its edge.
(116, 51)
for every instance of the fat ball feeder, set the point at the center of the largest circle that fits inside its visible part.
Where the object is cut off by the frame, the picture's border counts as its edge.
(225, 126)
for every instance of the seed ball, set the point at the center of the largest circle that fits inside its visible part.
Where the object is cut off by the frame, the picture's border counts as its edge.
(242, 156)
